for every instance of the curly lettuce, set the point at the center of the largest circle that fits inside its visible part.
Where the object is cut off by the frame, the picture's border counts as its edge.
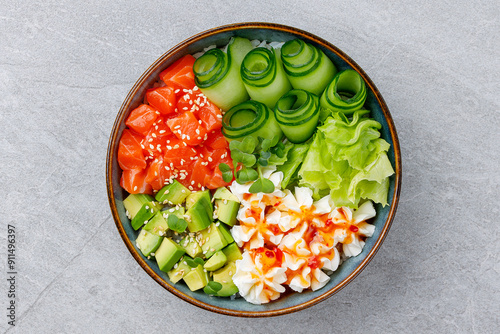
(348, 160)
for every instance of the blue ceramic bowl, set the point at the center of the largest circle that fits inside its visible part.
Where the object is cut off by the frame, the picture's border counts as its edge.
(294, 301)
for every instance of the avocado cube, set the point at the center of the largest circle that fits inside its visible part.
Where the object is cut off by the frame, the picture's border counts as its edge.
(196, 279)
(134, 202)
(202, 197)
(174, 193)
(224, 193)
(148, 210)
(225, 232)
(212, 240)
(178, 211)
(157, 225)
(168, 254)
(199, 218)
(216, 261)
(148, 242)
(225, 277)
(227, 211)
(232, 252)
(180, 270)
(191, 246)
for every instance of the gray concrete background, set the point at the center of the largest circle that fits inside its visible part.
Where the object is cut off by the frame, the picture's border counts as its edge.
(65, 68)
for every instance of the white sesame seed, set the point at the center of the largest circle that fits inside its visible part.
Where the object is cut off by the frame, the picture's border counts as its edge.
(162, 132)
(177, 91)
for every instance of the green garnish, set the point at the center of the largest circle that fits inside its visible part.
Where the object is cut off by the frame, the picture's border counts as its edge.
(227, 172)
(212, 288)
(176, 224)
(197, 261)
(246, 175)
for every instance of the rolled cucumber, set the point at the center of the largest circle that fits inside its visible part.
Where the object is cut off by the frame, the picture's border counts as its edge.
(297, 113)
(250, 118)
(217, 74)
(346, 93)
(263, 76)
(306, 66)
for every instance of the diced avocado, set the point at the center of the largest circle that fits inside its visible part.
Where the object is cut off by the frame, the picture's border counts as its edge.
(216, 261)
(232, 252)
(148, 242)
(178, 211)
(212, 240)
(196, 279)
(224, 193)
(199, 218)
(180, 270)
(158, 224)
(148, 210)
(174, 193)
(191, 246)
(225, 277)
(134, 202)
(168, 254)
(225, 232)
(202, 197)
(227, 211)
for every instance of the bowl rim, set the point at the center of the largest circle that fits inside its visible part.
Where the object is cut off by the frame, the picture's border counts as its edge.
(113, 142)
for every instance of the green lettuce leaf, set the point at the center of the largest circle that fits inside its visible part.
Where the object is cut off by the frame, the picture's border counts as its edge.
(295, 156)
(348, 160)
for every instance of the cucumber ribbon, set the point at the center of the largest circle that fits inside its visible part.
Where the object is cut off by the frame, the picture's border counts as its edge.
(346, 93)
(306, 66)
(217, 74)
(250, 118)
(263, 76)
(297, 113)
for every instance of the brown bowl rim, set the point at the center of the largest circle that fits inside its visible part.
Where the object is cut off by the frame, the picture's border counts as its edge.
(113, 142)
